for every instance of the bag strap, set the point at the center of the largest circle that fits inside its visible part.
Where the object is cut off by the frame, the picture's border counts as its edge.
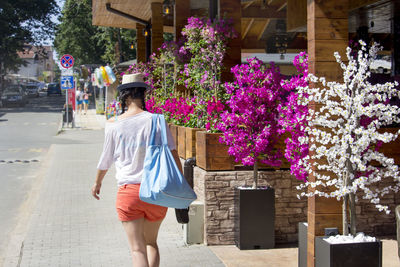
(163, 130)
(154, 120)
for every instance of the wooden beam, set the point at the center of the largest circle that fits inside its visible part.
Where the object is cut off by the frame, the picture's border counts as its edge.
(253, 50)
(181, 14)
(263, 29)
(232, 9)
(168, 21)
(282, 7)
(247, 28)
(268, 12)
(355, 4)
(328, 9)
(296, 15)
(140, 44)
(327, 32)
(169, 29)
(329, 29)
(246, 5)
(276, 2)
(157, 37)
(253, 43)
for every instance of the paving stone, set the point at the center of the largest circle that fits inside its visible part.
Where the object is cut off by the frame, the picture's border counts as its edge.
(70, 228)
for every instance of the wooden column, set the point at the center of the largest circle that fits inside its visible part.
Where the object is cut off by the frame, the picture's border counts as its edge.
(231, 9)
(396, 39)
(327, 32)
(181, 14)
(140, 44)
(157, 30)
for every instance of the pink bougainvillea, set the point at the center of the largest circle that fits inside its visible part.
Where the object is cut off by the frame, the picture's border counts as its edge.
(293, 118)
(215, 107)
(250, 128)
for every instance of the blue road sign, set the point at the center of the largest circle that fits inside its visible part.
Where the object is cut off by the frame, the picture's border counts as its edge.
(67, 82)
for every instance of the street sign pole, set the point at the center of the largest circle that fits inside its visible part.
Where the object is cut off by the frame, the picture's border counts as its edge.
(72, 100)
(67, 83)
(66, 101)
(67, 62)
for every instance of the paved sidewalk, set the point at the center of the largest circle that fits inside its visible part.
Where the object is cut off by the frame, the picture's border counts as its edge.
(89, 120)
(68, 227)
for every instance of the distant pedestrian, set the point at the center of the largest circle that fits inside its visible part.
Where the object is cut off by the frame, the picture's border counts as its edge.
(126, 139)
(85, 100)
(79, 100)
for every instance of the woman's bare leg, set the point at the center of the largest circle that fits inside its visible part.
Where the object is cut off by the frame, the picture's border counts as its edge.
(135, 232)
(150, 235)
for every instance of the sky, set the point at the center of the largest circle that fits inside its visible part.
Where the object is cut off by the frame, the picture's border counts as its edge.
(60, 3)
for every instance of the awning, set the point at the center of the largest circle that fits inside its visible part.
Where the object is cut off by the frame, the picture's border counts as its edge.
(127, 64)
(137, 8)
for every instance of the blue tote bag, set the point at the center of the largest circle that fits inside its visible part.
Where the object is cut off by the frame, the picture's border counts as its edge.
(162, 182)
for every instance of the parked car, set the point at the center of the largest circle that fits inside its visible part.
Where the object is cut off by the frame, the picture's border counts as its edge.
(44, 89)
(53, 88)
(32, 90)
(14, 95)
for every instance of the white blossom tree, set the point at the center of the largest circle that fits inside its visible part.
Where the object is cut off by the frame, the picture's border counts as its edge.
(344, 137)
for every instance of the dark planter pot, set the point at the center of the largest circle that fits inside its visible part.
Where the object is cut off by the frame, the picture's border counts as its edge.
(368, 254)
(302, 256)
(256, 218)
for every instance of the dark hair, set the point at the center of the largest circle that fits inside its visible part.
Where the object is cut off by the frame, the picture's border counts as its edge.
(134, 93)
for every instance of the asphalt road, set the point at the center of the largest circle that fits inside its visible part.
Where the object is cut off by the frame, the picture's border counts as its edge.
(26, 135)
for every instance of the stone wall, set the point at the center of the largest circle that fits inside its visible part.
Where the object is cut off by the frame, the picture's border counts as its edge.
(217, 191)
(376, 223)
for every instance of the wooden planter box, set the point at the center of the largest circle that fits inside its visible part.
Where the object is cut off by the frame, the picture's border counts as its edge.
(174, 132)
(211, 155)
(181, 142)
(191, 141)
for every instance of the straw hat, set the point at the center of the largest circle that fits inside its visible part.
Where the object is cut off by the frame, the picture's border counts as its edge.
(132, 81)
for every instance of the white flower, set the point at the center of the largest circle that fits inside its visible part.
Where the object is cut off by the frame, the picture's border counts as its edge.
(341, 139)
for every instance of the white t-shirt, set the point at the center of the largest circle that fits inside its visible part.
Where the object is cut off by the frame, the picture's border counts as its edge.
(125, 145)
(79, 95)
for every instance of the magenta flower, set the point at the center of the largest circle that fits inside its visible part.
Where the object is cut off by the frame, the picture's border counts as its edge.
(250, 128)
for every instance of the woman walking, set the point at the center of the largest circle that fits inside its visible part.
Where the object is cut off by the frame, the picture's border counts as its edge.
(126, 139)
(85, 100)
(79, 100)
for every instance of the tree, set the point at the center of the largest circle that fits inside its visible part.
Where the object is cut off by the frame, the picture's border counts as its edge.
(90, 44)
(250, 128)
(76, 35)
(57, 73)
(345, 135)
(23, 22)
(205, 45)
(119, 44)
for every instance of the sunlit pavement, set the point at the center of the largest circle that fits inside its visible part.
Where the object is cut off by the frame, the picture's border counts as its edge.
(68, 227)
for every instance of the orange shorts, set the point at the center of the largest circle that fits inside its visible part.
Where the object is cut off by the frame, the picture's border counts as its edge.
(130, 207)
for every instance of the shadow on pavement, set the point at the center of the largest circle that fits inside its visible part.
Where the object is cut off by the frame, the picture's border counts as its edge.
(40, 105)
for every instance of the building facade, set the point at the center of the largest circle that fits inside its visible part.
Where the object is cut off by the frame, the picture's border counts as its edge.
(39, 64)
